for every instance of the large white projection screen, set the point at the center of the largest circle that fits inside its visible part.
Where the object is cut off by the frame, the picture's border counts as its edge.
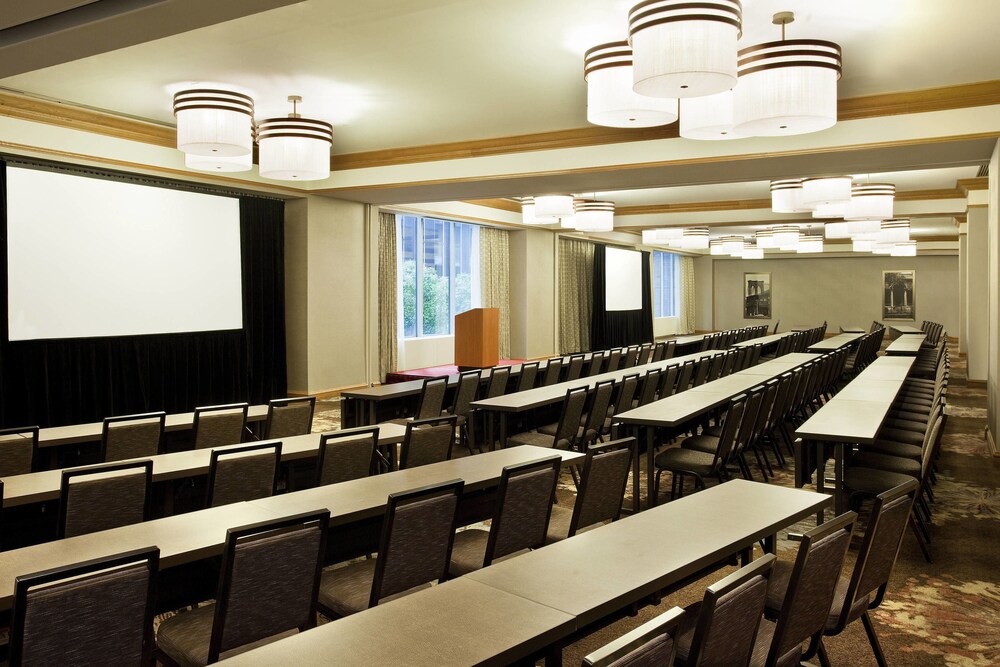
(622, 279)
(90, 257)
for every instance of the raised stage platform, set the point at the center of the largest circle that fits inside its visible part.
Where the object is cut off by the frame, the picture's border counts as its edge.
(436, 371)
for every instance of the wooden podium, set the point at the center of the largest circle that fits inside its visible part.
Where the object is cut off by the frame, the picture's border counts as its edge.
(477, 338)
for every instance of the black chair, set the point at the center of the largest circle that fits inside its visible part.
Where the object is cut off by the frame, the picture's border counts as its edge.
(103, 497)
(593, 421)
(575, 367)
(346, 455)
(431, 403)
(520, 522)
(132, 436)
(287, 417)
(625, 389)
(219, 425)
(18, 450)
(650, 385)
(600, 492)
(526, 378)
(614, 359)
(93, 613)
(268, 588)
(499, 375)
(652, 643)
(240, 474)
(568, 429)
(552, 371)
(668, 381)
(418, 531)
(684, 376)
(427, 441)
(595, 364)
(465, 394)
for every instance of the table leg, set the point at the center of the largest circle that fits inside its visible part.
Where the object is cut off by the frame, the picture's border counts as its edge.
(490, 434)
(553, 655)
(635, 481)
(372, 417)
(503, 430)
(650, 476)
(838, 478)
(820, 476)
(746, 556)
(769, 544)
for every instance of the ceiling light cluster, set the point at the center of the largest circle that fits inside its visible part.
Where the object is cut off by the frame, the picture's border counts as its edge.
(216, 132)
(866, 210)
(569, 212)
(681, 60)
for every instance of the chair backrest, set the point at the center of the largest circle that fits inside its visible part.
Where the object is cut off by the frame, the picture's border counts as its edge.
(811, 587)
(879, 549)
(575, 367)
(269, 582)
(18, 450)
(751, 412)
(498, 381)
(427, 441)
(522, 516)
(132, 436)
(614, 360)
(728, 361)
(701, 368)
(671, 349)
(526, 378)
(239, 474)
(732, 424)
(571, 418)
(753, 355)
(600, 401)
(289, 416)
(104, 497)
(465, 393)
(432, 398)
(652, 643)
(626, 388)
(631, 357)
(595, 364)
(658, 351)
(90, 611)
(684, 376)
(219, 425)
(552, 371)
(715, 367)
(650, 385)
(730, 615)
(645, 354)
(775, 327)
(418, 532)
(768, 397)
(602, 483)
(346, 455)
(876, 325)
(668, 381)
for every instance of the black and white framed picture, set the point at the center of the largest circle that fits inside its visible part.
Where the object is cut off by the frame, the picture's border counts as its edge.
(897, 295)
(757, 296)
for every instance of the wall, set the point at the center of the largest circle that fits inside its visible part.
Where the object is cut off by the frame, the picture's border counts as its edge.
(532, 293)
(704, 286)
(977, 315)
(993, 389)
(666, 326)
(841, 290)
(425, 352)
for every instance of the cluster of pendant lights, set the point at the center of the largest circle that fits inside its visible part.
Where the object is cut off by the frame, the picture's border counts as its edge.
(681, 60)
(865, 209)
(585, 215)
(216, 131)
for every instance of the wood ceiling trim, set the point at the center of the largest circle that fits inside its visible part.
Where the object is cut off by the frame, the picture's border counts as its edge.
(68, 115)
(500, 204)
(964, 185)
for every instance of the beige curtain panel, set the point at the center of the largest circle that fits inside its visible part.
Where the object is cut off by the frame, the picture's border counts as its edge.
(494, 271)
(387, 294)
(576, 294)
(687, 309)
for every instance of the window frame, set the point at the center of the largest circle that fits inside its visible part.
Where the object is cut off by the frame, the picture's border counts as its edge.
(674, 281)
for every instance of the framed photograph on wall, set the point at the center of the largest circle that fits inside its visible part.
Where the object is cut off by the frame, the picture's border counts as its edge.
(897, 295)
(757, 296)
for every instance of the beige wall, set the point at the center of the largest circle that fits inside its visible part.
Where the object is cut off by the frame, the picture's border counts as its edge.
(532, 293)
(977, 315)
(993, 389)
(703, 290)
(325, 293)
(843, 290)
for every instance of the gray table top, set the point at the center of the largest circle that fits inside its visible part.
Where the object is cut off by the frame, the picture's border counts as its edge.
(533, 398)
(76, 433)
(906, 329)
(853, 329)
(834, 342)
(906, 345)
(41, 486)
(602, 570)
(764, 340)
(459, 622)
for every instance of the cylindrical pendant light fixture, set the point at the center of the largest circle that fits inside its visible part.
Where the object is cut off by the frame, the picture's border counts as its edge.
(835, 210)
(218, 163)
(732, 244)
(553, 208)
(826, 190)
(863, 227)
(752, 252)
(905, 249)
(708, 118)
(294, 148)
(882, 248)
(786, 236)
(836, 230)
(215, 122)
(765, 239)
(809, 244)
(715, 247)
(894, 231)
(695, 238)
(871, 201)
(684, 49)
(661, 236)
(611, 102)
(528, 212)
(786, 196)
(787, 87)
(859, 245)
(594, 216)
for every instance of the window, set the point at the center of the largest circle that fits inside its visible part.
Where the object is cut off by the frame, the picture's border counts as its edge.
(666, 284)
(438, 273)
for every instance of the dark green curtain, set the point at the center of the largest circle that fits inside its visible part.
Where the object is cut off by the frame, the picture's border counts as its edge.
(67, 381)
(625, 327)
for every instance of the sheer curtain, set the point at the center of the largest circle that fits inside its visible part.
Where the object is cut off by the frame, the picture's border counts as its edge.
(387, 294)
(688, 311)
(494, 276)
(576, 294)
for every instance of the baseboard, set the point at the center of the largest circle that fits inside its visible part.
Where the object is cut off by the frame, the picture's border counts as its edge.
(327, 393)
(991, 443)
(975, 383)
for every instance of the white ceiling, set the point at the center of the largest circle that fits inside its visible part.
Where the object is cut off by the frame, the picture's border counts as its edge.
(391, 73)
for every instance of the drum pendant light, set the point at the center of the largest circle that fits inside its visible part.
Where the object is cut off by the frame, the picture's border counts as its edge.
(294, 148)
(708, 118)
(611, 102)
(214, 122)
(594, 216)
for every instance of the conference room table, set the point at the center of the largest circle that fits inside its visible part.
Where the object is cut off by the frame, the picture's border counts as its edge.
(764, 341)
(185, 538)
(906, 329)
(906, 345)
(677, 410)
(853, 329)
(514, 609)
(835, 342)
(853, 416)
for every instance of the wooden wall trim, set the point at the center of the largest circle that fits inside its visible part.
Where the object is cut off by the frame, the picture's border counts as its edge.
(964, 185)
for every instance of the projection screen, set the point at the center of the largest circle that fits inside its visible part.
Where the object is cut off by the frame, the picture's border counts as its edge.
(622, 279)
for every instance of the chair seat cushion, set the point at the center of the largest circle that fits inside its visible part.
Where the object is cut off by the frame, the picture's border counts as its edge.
(346, 590)
(185, 637)
(900, 435)
(531, 438)
(685, 460)
(906, 424)
(777, 587)
(886, 462)
(906, 415)
(900, 449)
(551, 429)
(701, 443)
(871, 481)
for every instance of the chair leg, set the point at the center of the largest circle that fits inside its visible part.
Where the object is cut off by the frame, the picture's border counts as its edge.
(873, 639)
(920, 539)
(824, 659)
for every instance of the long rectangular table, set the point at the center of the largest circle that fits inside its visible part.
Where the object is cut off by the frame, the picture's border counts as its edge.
(764, 340)
(514, 609)
(835, 342)
(906, 345)
(906, 329)
(853, 416)
(681, 408)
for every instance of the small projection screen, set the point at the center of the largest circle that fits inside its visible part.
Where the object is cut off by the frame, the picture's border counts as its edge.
(623, 279)
(89, 257)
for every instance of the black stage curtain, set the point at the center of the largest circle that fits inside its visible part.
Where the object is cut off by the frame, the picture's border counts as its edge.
(624, 327)
(68, 381)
